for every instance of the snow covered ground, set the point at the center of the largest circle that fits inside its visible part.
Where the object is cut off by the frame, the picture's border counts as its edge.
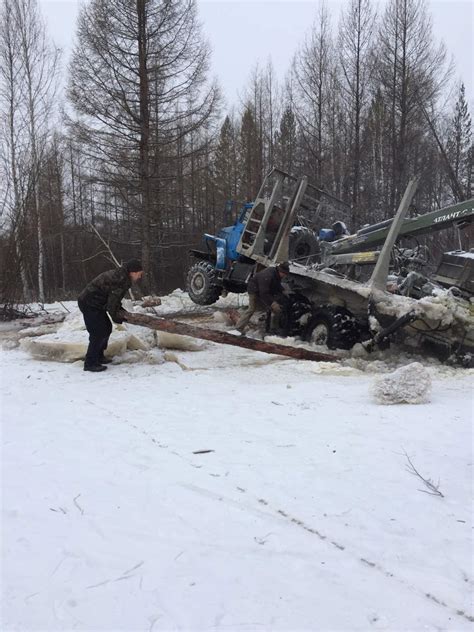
(232, 491)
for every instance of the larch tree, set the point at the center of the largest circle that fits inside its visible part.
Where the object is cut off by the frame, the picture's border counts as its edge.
(286, 141)
(263, 95)
(311, 71)
(412, 71)
(460, 143)
(377, 131)
(250, 157)
(138, 82)
(272, 110)
(225, 169)
(356, 32)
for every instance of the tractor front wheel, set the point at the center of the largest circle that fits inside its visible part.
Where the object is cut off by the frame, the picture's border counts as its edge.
(201, 283)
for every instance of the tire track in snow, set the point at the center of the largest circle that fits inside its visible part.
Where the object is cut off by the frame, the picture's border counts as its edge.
(287, 517)
(280, 513)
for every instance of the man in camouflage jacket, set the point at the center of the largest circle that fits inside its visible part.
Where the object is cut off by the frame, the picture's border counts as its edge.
(265, 294)
(104, 294)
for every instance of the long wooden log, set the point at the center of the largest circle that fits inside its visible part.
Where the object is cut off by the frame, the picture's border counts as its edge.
(173, 327)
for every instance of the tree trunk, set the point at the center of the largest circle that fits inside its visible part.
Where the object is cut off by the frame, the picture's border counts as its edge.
(162, 324)
(145, 192)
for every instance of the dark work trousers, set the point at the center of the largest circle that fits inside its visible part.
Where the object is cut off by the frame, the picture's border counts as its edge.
(99, 327)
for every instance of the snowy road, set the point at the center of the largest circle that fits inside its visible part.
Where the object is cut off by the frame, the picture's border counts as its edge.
(303, 516)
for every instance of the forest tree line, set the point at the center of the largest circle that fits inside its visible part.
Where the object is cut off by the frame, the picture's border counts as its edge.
(134, 138)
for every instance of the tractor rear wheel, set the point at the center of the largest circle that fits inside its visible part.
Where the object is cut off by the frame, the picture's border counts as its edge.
(299, 313)
(201, 283)
(303, 243)
(334, 327)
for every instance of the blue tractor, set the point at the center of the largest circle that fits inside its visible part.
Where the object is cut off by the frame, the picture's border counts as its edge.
(277, 226)
(220, 267)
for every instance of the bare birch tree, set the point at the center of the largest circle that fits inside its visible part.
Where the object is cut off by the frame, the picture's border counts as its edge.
(13, 147)
(41, 64)
(29, 76)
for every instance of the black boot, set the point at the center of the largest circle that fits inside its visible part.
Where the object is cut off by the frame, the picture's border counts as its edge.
(104, 360)
(95, 368)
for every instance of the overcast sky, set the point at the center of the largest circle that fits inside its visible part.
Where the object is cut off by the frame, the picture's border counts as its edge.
(244, 32)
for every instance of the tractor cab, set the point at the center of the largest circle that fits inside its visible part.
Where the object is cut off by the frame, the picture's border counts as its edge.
(231, 234)
(273, 228)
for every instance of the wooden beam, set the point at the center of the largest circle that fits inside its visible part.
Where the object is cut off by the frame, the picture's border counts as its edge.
(221, 337)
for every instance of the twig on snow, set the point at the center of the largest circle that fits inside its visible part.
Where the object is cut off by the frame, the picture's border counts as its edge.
(134, 568)
(77, 504)
(433, 490)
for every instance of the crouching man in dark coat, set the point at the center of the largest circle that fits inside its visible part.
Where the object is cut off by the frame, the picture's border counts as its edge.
(266, 294)
(104, 294)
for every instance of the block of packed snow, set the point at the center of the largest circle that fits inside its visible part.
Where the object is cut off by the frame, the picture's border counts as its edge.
(41, 330)
(166, 340)
(138, 356)
(222, 318)
(70, 347)
(409, 384)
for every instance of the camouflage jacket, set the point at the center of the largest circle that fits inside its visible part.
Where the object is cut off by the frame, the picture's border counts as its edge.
(266, 284)
(106, 291)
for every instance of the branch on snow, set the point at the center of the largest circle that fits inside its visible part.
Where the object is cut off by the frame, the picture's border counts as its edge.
(433, 489)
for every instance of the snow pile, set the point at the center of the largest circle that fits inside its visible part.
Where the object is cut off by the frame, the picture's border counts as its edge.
(442, 309)
(69, 348)
(40, 330)
(409, 384)
(224, 318)
(166, 340)
(179, 301)
(447, 308)
(152, 338)
(69, 342)
(12, 332)
(10, 343)
(140, 356)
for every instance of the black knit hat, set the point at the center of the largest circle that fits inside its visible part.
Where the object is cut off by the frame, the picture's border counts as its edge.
(284, 267)
(133, 265)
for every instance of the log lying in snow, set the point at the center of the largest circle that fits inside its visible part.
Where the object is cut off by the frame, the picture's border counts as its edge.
(162, 324)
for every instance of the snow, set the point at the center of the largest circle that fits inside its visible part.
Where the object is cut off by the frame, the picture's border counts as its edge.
(179, 300)
(303, 516)
(460, 253)
(331, 279)
(442, 309)
(67, 341)
(409, 384)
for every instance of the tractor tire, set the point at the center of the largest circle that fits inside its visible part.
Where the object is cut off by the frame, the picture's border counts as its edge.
(303, 244)
(299, 314)
(334, 327)
(201, 283)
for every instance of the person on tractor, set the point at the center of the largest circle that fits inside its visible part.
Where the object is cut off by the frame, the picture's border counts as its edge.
(266, 294)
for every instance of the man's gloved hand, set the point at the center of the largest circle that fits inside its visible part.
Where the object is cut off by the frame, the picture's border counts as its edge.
(118, 319)
(275, 307)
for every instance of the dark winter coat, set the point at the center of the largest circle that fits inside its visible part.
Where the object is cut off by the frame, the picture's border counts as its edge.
(266, 285)
(106, 291)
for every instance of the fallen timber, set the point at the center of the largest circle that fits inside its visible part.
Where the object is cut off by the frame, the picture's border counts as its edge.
(221, 337)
